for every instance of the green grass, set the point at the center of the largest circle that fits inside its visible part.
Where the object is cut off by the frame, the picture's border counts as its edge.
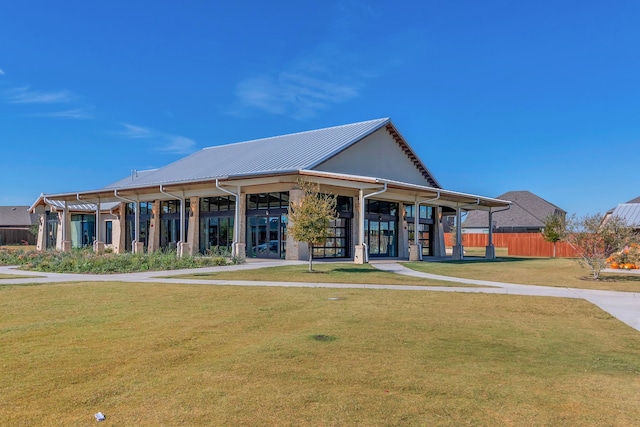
(559, 272)
(175, 355)
(322, 273)
(16, 276)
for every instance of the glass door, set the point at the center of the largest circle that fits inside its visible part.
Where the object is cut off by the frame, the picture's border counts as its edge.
(264, 236)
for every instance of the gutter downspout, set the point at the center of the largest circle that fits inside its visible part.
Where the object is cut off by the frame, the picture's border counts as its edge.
(236, 223)
(416, 220)
(136, 230)
(363, 197)
(181, 213)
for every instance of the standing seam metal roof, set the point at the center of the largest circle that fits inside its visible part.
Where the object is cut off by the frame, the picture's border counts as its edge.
(292, 152)
(629, 212)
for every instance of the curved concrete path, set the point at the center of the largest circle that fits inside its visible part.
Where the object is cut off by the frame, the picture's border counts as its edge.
(625, 306)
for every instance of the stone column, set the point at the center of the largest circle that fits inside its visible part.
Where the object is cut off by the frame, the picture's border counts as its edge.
(490, 250)
(439, 248)
(120, 229)
(193, 235)
(154, 228)
(41, 243)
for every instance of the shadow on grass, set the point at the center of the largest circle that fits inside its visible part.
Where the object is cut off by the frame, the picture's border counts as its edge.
(485, 261)
(634, 278)
(354, 270)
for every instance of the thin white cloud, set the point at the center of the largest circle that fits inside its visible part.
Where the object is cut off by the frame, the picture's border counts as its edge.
(135, 132)
(167, 143)
(24, 95)
(2, 73)
(295, 94)
(77, 113)
(178, 145)
(335, 70)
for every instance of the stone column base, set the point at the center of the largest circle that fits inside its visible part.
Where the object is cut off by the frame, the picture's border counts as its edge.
(66, 246)
(183, 249)
(98, 247)
(138, 247)
(415, 252)
(490, 252)
(240, 250)
(360, 254)
(458, 252)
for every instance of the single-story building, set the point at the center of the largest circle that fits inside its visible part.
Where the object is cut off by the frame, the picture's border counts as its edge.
(526, 214)
(15, 225)
(237, 196)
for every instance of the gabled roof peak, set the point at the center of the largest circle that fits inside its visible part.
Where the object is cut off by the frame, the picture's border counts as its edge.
(376, 122)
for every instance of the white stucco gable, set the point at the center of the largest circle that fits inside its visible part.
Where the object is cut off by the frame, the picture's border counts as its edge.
(379, 155)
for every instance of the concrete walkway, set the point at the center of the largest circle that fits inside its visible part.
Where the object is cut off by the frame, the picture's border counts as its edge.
(624, 306)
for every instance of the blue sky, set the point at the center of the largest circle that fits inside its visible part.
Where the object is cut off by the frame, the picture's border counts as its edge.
(493, 95)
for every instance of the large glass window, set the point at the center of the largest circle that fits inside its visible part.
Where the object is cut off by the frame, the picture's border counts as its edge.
(170, 223)
(267, 224)
(381, 219)
(83, 230)
(425, 226)
(108, 235)
(52, 229)
(145, 210)
(338, 244)
(216, 232)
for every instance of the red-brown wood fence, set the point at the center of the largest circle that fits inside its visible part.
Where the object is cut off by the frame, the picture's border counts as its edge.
(518, 244)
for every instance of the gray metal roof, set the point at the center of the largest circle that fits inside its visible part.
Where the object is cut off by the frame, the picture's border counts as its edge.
(527, 211)
(132, 179)
(16, 216)
(629, 212)
(286, 153)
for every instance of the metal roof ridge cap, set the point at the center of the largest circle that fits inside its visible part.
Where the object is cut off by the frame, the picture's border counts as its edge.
(293, 133)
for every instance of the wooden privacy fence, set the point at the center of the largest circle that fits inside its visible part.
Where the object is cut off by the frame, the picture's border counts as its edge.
(13, 236)
(518, 244)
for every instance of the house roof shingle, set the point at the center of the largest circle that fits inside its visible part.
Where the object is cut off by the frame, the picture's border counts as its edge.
(527, 211)
(16, 216)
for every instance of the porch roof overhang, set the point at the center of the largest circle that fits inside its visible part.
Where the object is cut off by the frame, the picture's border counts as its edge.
(396, 190)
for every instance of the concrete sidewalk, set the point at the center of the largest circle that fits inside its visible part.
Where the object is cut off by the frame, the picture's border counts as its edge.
(624, 306)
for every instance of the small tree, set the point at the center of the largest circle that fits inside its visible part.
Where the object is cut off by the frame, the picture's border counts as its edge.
(595, 238)
(309, 218)
(555, 229)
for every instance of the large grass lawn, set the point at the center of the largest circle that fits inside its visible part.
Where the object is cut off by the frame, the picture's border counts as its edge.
(561, 272)
(158, 354)
(323, 272)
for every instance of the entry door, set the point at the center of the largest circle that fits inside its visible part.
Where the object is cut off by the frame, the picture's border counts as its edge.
(382, 238)
(264, 235)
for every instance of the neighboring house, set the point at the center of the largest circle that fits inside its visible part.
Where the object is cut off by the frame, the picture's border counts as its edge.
(629, 212)
(15, 225)
(525, 215)
(237, 196)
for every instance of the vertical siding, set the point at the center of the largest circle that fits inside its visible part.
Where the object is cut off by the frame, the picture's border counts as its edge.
(519, 244)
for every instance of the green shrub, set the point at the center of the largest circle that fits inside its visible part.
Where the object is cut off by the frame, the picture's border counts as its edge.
(86, 261)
